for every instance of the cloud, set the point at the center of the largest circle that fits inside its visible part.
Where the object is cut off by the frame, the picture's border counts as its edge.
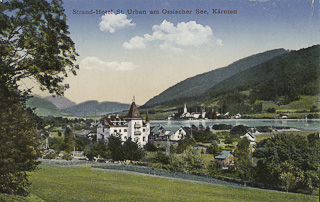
(219, 42)
(175, 37)
(111, 22)
(94, 63)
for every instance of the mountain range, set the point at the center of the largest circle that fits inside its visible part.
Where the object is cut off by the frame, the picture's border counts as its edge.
(62, 106)
(94, 107)
(60, 102)
(279, 76)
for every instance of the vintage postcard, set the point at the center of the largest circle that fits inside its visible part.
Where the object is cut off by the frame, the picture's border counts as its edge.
(158, 100)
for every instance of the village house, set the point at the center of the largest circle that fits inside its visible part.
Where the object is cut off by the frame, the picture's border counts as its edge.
(225, 159)
(250, 136)
(132, 126)
(159, 133)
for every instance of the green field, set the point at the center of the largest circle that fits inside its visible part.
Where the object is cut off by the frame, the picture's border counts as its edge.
(83, 183)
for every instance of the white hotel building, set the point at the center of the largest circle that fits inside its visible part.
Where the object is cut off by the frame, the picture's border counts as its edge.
(132, 126)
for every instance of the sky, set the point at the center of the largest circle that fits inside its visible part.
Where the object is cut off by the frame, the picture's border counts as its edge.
(129, 54)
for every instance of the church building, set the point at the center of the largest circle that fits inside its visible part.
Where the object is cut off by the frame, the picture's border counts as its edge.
(133, 125)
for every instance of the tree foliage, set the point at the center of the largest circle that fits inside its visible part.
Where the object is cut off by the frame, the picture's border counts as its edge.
(243, 159)
(289, 162)
(238, 131)
(184, 144)
(19, 145)
(114, 145)
(150, 147)
(98, 150)
(204, 135)
(190, 161)
(34, 43)
(129, 150)
(214, 149)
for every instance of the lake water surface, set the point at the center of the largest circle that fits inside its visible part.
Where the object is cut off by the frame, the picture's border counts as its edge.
(310, 124)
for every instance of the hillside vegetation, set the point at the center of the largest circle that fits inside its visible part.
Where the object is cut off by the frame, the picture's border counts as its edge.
(61, 102)
(43, 107)
(284, 82)
(285, 77)
(280, 84)
(197, 85)
(95, 108)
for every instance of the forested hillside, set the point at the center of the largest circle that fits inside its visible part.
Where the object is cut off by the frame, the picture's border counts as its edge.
(282, 80)
(290, 75)
(194, 87)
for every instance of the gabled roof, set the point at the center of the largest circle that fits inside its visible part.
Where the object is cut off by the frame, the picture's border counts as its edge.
(115, 122)
(156, 129)
(224, 154)
(251, 135)
(170, 133)
(133, 112)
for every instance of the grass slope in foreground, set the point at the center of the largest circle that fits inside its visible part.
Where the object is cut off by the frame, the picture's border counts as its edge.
(83, 183)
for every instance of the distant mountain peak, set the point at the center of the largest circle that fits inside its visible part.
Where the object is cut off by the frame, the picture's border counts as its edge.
(60, 102)
(93, 107)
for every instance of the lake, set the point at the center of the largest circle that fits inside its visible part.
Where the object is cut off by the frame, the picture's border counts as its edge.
(310, 124)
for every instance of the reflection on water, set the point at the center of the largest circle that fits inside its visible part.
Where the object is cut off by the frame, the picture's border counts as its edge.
(305, 124)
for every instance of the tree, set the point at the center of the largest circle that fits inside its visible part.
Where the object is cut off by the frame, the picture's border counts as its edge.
(214, 149)
(150, 147)
(115, 148)
(68, 143)
(284, 154)
(290, 176)
(131, 150)
(243, 159)
(19, 145)
(237, 131)
(214, 168)
(190, 161)
(98, 149)
(34, 44)
(184, 144)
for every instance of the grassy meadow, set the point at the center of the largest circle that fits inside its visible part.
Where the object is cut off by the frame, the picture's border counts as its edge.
(83, 183)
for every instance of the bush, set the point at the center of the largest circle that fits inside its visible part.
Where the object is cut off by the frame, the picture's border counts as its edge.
(161, 158)
(221, 127)
(67, 156)
(214, 168)
(184, 144)
(51, 155)
(214, 149)
(238, 131)
(150, 147)
(190, 161)
(271, 110)
(98, 149)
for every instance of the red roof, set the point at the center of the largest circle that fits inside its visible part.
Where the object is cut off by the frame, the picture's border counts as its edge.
(120, 122)
(133, 112)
